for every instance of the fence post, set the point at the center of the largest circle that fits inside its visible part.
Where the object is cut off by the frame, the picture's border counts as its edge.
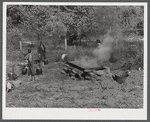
(65, 44)
(20, 45)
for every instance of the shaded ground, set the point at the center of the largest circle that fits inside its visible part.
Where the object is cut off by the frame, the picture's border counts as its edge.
(53, 89)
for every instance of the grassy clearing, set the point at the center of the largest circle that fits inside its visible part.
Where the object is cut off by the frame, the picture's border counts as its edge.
(56, 90)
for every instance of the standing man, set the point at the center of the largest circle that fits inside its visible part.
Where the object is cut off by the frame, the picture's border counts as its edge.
(29, 58)
(42, 52)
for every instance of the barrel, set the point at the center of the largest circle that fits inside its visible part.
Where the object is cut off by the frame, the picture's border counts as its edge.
(39, 71)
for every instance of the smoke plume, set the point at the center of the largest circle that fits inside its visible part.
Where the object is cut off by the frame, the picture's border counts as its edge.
(101, 53)
(87, 62)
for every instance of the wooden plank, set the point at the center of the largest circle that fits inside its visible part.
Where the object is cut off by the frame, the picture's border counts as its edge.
(28, 42)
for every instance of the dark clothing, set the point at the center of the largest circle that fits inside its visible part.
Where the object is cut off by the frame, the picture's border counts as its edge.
(31, 69)
(42, 52)
(29, 58)
(98, 41)
(41, 49)
(42, 57)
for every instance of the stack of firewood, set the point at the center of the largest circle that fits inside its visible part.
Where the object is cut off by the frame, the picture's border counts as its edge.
(87, 74)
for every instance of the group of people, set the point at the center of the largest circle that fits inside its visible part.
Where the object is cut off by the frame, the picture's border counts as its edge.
(29, 57)
(42, 56)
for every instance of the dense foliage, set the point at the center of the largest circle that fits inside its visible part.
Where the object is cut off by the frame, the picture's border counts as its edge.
(80, 25)
(74, 22)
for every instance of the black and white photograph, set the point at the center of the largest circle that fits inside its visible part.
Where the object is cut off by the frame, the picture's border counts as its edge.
(75, 60)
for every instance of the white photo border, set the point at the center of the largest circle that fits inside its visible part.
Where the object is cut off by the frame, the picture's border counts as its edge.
(74, 113)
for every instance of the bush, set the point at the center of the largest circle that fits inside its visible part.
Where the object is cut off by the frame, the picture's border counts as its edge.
(13, 41)
(130, 53)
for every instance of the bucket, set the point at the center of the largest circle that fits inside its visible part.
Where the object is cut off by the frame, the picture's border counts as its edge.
(45, 61)
(24, 70)
(39, 71)
(11, 76)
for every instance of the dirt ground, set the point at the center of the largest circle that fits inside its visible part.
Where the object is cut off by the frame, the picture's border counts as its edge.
(56, 90)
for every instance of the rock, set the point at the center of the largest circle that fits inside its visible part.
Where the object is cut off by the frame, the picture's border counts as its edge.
(16, 83)
(119, 79)
(9, 86)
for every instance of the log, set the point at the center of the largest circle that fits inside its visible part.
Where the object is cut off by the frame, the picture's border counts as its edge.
(63, 72)
(99, 72)
(73, 71)
(78, 76)
(65, 69)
